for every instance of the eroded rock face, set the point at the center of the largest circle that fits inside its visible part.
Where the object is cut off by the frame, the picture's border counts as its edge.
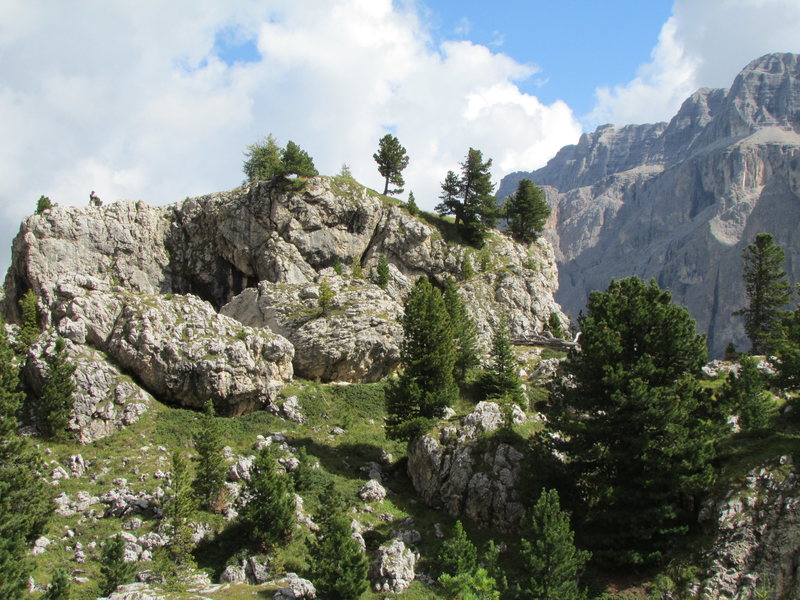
(451, 470)
(356, 339)
(678, 202)
(757, 539)
(180, 349)
(393, 568)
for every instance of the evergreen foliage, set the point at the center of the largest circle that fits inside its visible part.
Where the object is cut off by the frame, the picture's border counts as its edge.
(527, 212)
(554, 325)
(469, 198)
(476, 585)
(411, 205)
(382, 274)
(59, 588)
(296, 161)
(467, 270)
(788, 352)
(768, 292)
(634, 422)
(551, 562)
(210, 468)
(326, 296)
(392, 160)
(465, 333)
(269, 512)
(25, 498)
(744, 395)
(338, 268)
(114, 571)
(457, 555)
(356, 271)
(55, 403)
(175, 559)
(43, 204)
(502, 379)
(30, 319)
(263, 160)
(428, 355)
(345, 172)
(339, 566)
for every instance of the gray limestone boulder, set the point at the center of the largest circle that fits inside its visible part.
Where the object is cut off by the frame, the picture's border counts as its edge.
(295, 588)
(392, 570)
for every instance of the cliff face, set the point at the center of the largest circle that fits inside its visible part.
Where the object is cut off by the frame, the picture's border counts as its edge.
(122, 278)
(678, 202)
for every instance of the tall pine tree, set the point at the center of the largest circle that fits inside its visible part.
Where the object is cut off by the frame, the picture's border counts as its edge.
(502, 379)
(339, 566)
(768, 292)
(114, 571)
(526, 212)
(392, 160)
(465, 333)
(426, 385)
(296, 161)
(174, 560)
(56, 399)
(210, 468)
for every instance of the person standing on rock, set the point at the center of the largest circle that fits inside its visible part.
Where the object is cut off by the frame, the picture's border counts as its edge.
(94, 199)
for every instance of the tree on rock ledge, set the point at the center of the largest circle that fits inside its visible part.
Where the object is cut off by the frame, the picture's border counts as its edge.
(392, 160)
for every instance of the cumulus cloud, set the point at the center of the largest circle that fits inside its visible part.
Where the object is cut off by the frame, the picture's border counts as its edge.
(705, 43)
(132, 100)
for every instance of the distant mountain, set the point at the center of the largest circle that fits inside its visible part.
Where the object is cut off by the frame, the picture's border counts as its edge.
(679, 201)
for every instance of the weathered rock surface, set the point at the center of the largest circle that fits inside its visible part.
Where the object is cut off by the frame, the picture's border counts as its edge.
(757, 536)
(679, 201)
(180, 349)
(295, 588)
(356, 339)
(451, 470)
(105, 399)
(393, 568)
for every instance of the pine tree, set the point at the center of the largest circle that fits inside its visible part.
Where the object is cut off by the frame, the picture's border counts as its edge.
(411, 205)
(469, 198)
(59, 586)
(263, 160)
(467, 270)
(477, 585)
(345, 172)
(743, 394)
(269, 512)
(56, 399)
(382, 275)
(457, 555)
(527, 212)
(210, 469)
(175, 559)
(392, 160)
(30, 319)
(767, 290)
(502, 380)
(25, 498)
(114, 571)
(554, 324)
(326, 296)
(356, 271)
(339, 566)
(296, 161)
(43, 204)
(550, 560)
(427, 353)
(465, 333)
(633, 422)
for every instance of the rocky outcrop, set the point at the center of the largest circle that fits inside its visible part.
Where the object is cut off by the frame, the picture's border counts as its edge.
(452, 468)
(179, 348)
(679, 201)
(393, 568)
(356, 339)
(756, 547)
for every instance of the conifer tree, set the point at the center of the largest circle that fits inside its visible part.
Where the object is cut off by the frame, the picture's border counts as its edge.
(635, 372)
(56, 400)
(411, 205)
(326, 296)
(527, 212)
(477, 585)
(25, 498)
(175, 559)
(269, 512)
(457, 554)
(114, 571)
(345, 172)
(551, 562)
(296, 161)
(30, 319)
(767, 290)
(502, 380)
(465, 333)
(43, 204)
(382, 274)
(743, 394)
(427, 353)
(356, 271)
(210, 470)
(59, 588)
(263, 160)
(554, 324)
(339, 566)
(392, 160)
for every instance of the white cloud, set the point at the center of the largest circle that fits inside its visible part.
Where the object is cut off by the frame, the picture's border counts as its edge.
(705, 43)
(128, 99)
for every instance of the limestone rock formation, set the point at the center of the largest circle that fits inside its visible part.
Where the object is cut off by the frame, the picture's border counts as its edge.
(393, 568)
(451, 469)
(679, 201)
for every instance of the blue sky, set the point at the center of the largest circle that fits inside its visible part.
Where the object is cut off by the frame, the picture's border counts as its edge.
(157, 101)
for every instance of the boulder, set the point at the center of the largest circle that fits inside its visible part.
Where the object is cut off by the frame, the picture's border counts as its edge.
(295, 588)
(393, 568)
(372, 491)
